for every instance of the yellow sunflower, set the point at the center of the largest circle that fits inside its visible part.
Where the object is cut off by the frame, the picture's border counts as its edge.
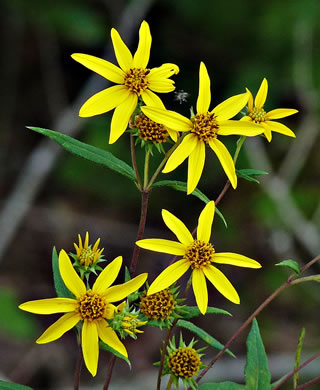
(134, 78)
(258, 115)
(204, 129)
(91, 306)
(198, 254)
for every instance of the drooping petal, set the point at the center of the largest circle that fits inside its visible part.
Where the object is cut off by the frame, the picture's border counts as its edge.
(221, 283)
(177, 227)
(267, 131)
(231, 107)
(162, 246)
(164, 86)
(200, 290)
(279, 128)
(58, 328)
(49, 306)
(141, 57)
(122, 53)
(205, 222)
(169, 276)
(262, 94)
(280, 113)
(104, 101)
(109, 337)
(121, 291)
(121, 117)
(250, 100)
(69, 275)
(151, 99)
(168, 118)
(90, 345)
(229, 127)
(163, 72)
(181, 153)
(204, 96)
(104, 68)
(107, 276)
(195, 166)
(225, 159)
(235, 259)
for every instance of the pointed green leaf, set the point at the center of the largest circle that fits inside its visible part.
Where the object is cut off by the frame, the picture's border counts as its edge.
(203, 335)
(59, 285)
(12, 386)
(256, 371)
(290, 264)
(182, 186)
(119, 355)
(248, 174)
(192, 311)
(88, 152)
(222, 386)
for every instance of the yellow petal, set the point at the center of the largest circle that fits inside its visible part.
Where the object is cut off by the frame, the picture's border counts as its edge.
(49, 306)
(161, 86)
(122, 53)
(104, 101)
(104, 68)
(235, 259)
(250, 100)
(173, 134)
(107, 276)
(199, 286)
(58, 328)
(280, 113)
(262, 94)
(90, 346)
(168, 118)
(231, 107)
(204, 97)
(95, 247)
(121, 117)
(205, 222)
(181, 153)
(80, 242)
(163, 72)
(86, 241)
(279, 128)
(121, 291)
(177, 227)
(225, 159)
(250, 129)
(163, 246)
(195, 166)
(141, 57)
(221, 283)
(151, 99)
(246, 118)
(267, 131)
(69, 275)
(169, 276)
(109, 337)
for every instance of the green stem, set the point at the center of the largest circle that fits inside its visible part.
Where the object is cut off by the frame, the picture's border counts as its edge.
(312, 278)
(170, 383)
(134, 161)
(146, 169)
(240, 142)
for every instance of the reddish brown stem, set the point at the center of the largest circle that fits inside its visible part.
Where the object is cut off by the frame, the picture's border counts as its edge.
(223, 192)
(78, 370)
(109, 375)
(309, 384)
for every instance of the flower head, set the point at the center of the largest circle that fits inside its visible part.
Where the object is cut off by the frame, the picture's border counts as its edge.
(86, 255)
(204, 129)
(134, 80)
(197, 254)
(258, 115)
(91, 307)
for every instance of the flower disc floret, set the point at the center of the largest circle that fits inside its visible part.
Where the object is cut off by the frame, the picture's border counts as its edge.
(91, 306)
(184, 362)
(205, 126)
(149, 130)
(258, 115)
(136, 80)
(158, 306)
(199, 254)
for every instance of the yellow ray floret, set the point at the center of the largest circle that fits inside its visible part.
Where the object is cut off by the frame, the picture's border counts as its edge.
(197, 254)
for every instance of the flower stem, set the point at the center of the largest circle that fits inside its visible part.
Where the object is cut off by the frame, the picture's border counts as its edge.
(78, 370)
(309, 384)
(134, 161)
(170, 383)
(109, 374)
(146, 169)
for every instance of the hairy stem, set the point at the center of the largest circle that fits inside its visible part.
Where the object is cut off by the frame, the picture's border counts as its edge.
(109, 374)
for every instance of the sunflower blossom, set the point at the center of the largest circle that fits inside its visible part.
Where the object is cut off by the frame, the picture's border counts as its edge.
(199, 255)
(134, 78)
(90, 306)
(258, 115)
(87, 255)
(204, 129)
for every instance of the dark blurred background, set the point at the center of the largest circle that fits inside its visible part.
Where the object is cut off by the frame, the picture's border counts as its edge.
(49, 196)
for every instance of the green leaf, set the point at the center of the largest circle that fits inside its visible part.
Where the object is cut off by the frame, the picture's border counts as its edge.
(193, 311)
(290, 264)
(256, 371)
(182, 186)
(222, 386)
(204, 336)
(59, 285)
(248, 174)
(88, 152)
(119, 355)
(12, 386)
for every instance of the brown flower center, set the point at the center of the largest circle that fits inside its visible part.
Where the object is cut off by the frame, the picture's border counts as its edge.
(150, 130)
(91, 306)
(199, 254)
(205, 126)
(258, 115)
(184, 362)
(158, 306)
(136, 80)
